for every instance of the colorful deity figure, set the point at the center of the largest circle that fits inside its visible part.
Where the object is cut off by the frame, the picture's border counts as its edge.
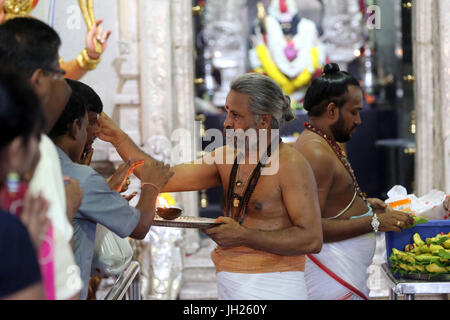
(96, 38)
(287, 48)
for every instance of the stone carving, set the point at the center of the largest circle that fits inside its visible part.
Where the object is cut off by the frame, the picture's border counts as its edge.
(343, 32)
(225, 35)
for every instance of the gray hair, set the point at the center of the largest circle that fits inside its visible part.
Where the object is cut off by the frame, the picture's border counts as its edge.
(266, 97)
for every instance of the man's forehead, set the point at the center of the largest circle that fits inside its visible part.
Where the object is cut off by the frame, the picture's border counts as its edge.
(236, 100)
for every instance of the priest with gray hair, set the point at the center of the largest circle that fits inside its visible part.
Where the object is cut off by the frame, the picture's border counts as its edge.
(270, 221)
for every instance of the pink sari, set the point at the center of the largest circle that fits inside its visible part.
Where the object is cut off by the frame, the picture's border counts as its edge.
(14, 204)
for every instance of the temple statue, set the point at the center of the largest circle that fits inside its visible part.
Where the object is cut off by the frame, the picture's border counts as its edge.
(286, 47)
(96, 38)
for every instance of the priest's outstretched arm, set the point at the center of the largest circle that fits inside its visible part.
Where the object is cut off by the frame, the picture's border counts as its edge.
(197, 175)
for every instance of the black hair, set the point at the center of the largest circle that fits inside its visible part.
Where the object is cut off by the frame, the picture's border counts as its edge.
(75, 109)
(90, 98)
(331, 86)
(21, 114)
(27, 44)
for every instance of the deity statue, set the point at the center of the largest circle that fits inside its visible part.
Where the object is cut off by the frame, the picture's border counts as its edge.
(286, 47)
(96, 38)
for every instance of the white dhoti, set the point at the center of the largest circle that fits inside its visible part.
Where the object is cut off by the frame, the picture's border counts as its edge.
(261, 286)
(347, 262)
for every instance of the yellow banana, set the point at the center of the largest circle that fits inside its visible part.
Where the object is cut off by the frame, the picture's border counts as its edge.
(418, 240)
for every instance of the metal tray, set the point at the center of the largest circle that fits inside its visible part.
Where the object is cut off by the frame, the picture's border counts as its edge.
(426, 277)
(185, 222)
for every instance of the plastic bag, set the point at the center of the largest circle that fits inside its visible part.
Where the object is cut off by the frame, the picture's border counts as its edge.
(430, 206)
(112, 254)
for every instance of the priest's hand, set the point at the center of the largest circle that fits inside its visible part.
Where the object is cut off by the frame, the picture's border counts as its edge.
(379, 206)
(227, 235)
(393, 220)
(108, 131)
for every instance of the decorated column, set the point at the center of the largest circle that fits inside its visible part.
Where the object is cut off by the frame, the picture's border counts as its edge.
(167, 105)
(431, 43)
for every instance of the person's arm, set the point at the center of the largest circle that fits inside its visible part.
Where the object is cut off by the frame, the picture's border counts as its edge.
(109, 131)
(334, 230)
(323, 167)
(157, 174)
(390, 220)
(298, 189)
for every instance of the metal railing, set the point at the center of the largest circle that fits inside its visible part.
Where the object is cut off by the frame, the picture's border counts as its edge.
(128, 284)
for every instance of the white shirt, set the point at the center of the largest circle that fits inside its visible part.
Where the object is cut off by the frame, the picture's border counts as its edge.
(48, 179)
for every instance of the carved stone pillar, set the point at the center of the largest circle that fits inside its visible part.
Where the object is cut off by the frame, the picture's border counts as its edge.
(444, 96)
(167, 104)
(226, 33)
(431, 43)
(343, 34)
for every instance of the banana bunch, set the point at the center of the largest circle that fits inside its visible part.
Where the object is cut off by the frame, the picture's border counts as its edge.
(431, 256)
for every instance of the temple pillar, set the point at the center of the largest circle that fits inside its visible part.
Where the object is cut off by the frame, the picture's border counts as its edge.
(167, 105)
(431, 46)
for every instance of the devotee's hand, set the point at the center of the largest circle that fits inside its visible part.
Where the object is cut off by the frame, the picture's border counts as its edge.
(119, 180)
(109, 131)
(34, 217)
(74, 197)
(378, 205)
(228, 234)
(96, 32)
(394, 221)
(130, 196)
(157, 173)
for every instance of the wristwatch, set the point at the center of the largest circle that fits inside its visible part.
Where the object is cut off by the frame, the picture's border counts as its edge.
(375, 223)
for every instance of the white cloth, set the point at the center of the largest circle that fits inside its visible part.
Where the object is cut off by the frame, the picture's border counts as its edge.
(349, 260)
(48, 179)
(261, 286)
(67, 273)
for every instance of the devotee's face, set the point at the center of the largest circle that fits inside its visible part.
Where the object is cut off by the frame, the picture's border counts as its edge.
(349, 116)
(54, 93)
